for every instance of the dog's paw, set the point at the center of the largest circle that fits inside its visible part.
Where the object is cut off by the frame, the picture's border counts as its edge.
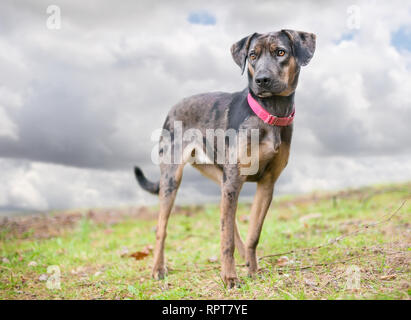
(230, 280)
(252, 269)
(159, 273)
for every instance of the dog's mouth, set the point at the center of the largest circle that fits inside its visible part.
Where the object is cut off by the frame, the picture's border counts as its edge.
(264, 94)
(276, 89)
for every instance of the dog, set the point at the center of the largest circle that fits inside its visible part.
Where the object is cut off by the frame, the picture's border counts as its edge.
(265, 106)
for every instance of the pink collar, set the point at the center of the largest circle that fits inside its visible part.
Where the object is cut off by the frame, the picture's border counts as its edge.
(266, 116)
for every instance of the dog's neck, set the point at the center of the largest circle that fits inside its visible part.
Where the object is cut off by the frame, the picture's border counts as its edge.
(280, 106)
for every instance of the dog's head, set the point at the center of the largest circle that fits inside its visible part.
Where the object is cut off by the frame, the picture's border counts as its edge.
(274, 60)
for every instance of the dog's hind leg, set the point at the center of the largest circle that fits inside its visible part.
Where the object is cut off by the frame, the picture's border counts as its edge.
(170, 179)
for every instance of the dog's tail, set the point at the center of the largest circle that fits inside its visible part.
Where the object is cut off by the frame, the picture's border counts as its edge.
(147, 185)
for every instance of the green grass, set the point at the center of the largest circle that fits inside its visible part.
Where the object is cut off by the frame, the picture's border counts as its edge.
(89, 252)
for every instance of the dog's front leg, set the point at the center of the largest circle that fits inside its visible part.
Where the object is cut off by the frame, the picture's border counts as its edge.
(261, 203)
(230, 190)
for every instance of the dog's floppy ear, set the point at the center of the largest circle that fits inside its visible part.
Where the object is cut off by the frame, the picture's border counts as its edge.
(303, 44)
(239, 51)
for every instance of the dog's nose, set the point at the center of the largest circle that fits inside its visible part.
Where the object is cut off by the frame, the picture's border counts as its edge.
(263, 81)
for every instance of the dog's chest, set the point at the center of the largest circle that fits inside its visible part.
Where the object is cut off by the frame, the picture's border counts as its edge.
(260, 153)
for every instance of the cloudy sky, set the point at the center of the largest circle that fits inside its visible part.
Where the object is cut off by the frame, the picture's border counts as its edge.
(78, 104)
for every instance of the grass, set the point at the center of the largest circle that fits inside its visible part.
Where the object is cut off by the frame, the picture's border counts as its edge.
(92, 250)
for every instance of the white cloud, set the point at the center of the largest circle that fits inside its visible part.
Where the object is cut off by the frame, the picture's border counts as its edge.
(39, 186)
(7, 127)
(9, 102)
(78, 105)
(309, 173)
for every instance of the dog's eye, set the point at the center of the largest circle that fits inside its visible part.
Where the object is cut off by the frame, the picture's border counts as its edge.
(253, 56)
(280, 53)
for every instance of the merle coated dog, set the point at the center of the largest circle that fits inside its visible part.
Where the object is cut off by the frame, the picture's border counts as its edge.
(274, 61)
